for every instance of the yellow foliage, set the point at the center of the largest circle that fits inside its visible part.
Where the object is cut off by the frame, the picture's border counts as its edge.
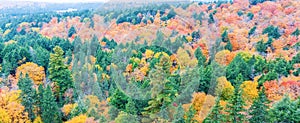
(38, 119)
(189, 38)
(185, 60)
(35, 29)
(35, 72)
(79, 119)
(224, 88)
(4, 116)
(202, 104)
(149, 54)
(161, 53)
(10, 42)
(66, 109)
(17, 113)
(6, 32)
(250, 91)
(223, 57)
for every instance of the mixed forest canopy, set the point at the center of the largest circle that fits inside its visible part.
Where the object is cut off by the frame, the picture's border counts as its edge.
(180, 62)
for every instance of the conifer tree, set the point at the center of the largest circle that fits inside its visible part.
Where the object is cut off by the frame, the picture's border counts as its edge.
(228, 46)
(59, 74)
(130, 107)
(200, 57)
(259, 109)
(27, 95)
(49, 108)
(190, 115)
(235, 106)
(179, 115)
(285, 111)
(215, 116)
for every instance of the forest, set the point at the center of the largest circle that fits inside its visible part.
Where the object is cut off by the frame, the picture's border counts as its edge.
(185, 62)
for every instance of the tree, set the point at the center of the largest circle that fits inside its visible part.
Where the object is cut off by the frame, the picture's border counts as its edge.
(200, 57)
(272, 31)
(224, 36)
(59, 73)
(71, 31)
(228, 46)
(261, 47)
(215, 116)
(211, 18)
(41, 57)
(238, 66)
(259, 109)
(285, 111)
(35, 72)
(254, 2)
(249, 91)
(296, 32)
(119, 99)
(235, 106)
(130, 107)
(205, 78)
(178, 115)
(28, 95)
(190, 115)
(49, 108)
(124, 117)
(224, 88)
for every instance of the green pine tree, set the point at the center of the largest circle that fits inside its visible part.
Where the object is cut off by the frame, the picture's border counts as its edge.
(72, 31)
(49, 108)
(59, 74)
(200, 57)
(235, 106)
(28, 95)
(215, 116)
(228, 46)
(224, 36)
(259, 109)
(130, 107)
(285, 111)
(178, 115)
(190, 115)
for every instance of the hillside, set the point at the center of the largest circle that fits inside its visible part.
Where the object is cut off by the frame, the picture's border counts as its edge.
(155, 61)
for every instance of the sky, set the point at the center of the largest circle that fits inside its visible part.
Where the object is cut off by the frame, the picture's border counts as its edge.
(64, 1)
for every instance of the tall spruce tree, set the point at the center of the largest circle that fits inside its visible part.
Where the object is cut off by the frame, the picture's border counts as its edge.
(28, 95)
(49, 108)
(235, 106)
(59, 74)
(259, 109)
(215, 116)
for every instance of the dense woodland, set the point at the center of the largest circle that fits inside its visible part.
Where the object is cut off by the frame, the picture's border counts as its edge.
(191, 62)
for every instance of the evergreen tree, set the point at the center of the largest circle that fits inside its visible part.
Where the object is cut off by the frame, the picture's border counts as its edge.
(259, 109)
(59, 74)
(178, 115)
(215, 116)
(205, 79)
(28, 95)
(285, 111)
(190, 115)
(81, 108)
(72, 31)
(238, 66)
(200, 57)
(296, 32)
(130, 107)
(235, 106)
(228, 46)
(224, 36)
(49, 108)
(119, 99)
(261, 47)
(211, 18)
